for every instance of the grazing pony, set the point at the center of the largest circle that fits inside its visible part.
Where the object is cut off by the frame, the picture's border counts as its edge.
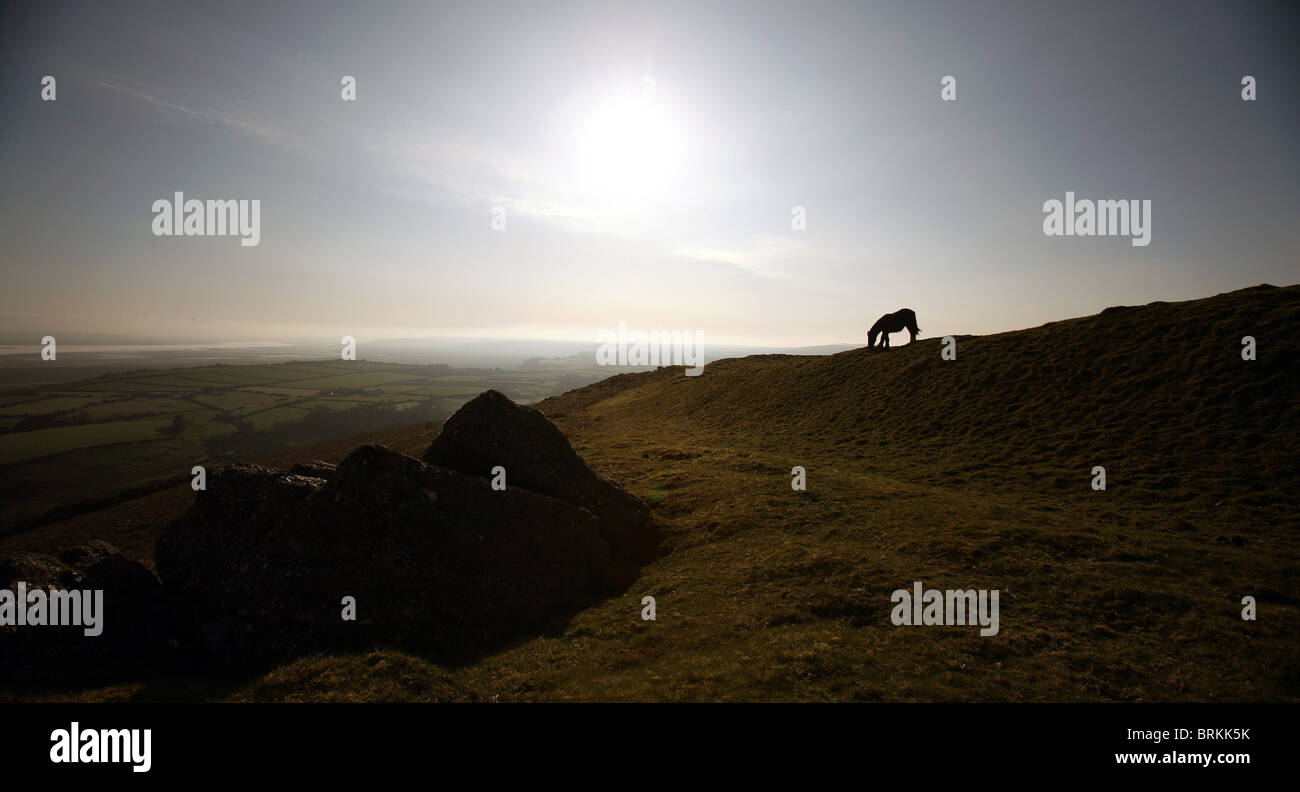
(904, 318)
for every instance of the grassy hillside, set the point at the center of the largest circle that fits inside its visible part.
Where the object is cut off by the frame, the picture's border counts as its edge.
(1159, 395)
(973, 473)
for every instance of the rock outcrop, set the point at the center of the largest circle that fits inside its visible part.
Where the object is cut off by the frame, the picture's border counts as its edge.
(435, 560)
(492, 430)
(129, 618)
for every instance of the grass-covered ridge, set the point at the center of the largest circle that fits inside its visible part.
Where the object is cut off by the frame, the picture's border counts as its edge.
(973, 473)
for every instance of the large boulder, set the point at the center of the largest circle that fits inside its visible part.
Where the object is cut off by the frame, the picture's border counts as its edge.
(227, 525)
(435, 559)
(438, 562)
(132, 638)
(492, 430)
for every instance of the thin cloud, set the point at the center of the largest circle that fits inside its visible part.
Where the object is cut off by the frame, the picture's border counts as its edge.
(241, 123)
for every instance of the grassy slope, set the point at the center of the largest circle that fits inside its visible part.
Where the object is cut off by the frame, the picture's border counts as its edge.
(966, 473)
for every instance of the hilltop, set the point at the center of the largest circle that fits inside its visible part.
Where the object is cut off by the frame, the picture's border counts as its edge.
(1159, 395)
(969, 473)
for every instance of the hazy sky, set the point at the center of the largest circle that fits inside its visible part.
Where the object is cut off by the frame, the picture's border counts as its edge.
(665, 206)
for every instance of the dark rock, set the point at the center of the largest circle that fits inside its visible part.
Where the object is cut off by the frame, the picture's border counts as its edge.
(492, 430)
(436, 560)
(227, 525)
(83, 556)
(314, 468)
(133, 639)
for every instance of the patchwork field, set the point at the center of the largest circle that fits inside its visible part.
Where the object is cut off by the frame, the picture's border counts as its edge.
(85, 442)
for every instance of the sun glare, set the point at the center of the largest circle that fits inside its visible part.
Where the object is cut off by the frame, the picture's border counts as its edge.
(629, 149)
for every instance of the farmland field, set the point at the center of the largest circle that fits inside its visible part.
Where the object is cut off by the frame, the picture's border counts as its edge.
(76, 442)
(15, 447)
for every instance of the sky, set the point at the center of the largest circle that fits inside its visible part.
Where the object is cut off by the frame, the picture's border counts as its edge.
(646, 161)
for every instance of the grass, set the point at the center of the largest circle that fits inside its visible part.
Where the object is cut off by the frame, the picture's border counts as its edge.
(46, 405)
(268, 418)
(45, 442)
(972, 473)
(351, 380)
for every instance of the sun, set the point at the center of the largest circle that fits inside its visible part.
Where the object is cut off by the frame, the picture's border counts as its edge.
(629, 149)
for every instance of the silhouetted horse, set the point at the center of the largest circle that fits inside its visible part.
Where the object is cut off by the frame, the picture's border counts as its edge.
(903, 318)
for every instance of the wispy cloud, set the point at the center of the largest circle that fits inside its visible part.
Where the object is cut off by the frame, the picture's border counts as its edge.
(144, 96)
(240, 122)
(767, 257)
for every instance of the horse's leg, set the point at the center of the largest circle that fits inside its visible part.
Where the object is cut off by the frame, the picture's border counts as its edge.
(885, 342)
